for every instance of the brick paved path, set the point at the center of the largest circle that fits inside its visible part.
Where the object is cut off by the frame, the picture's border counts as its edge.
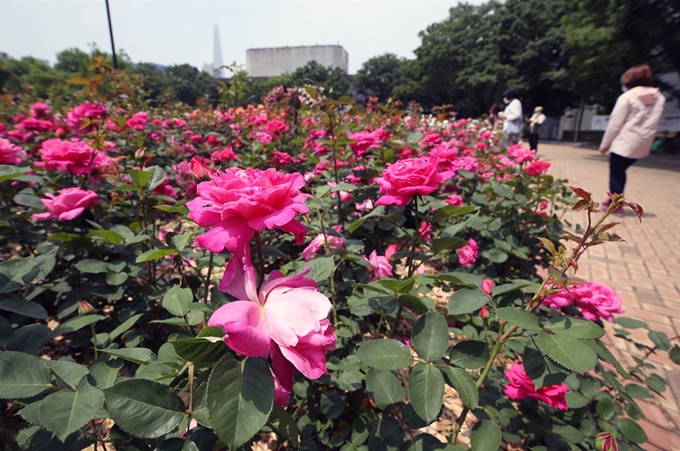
(644, 270)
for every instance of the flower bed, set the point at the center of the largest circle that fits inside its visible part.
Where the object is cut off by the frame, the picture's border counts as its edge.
(202, 276)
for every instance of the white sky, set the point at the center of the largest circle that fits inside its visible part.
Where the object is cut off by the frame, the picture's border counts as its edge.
(181, 31)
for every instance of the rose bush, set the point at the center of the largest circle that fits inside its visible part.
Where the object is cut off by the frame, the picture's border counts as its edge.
(201, 297)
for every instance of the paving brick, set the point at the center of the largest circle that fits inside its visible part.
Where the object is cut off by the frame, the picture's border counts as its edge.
(647, 297)
(637, 269)
(657, 436)
(654, 414)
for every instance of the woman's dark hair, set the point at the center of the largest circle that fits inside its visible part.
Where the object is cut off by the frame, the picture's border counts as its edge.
(510, 93)
(637, 76)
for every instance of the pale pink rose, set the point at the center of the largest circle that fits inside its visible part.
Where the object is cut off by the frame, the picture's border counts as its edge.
(86, 112)
(521, 153)
(366, 205)
(68, 204)
(236, 203)
(317, 245)
(521, 386)
(404, 179)
(10, 153)
(595, 300)
(487, 285)
(454, 199)
(537, 168)
(380, 266)
(466, 163)
(286, 320)
(75, 157)
(345, 196)
(467, 255)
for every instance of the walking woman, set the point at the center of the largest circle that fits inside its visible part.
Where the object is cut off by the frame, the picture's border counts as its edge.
(632, 125)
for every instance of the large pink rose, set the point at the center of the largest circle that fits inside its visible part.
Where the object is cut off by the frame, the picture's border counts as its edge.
(10, 153)
(85, 117)
(404, 179)
(595, 300)
(75, 157)
(521, 386)
(68, 204)
(236, 203)
(467, 255)
(286, 320)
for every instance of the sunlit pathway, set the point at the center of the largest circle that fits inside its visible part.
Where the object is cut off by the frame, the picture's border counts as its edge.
(644, 270)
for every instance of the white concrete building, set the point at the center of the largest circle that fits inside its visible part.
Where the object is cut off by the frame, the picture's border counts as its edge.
(275, 61)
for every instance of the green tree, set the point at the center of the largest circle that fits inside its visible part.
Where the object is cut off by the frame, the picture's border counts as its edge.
(189, 84)
(380, 75)
(333, 79)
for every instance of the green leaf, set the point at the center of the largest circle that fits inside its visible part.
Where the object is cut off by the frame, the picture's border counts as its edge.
(605, 408)
(28, 200)
(510, 287)
(386, 435)
(440, 244)
(66, 411)
(378, 211)
(459, 278)
(384, 387)
(656, 383)
(332, 403)
(385, 354)
(674, 354)
(470, 354)
(630, 323)
(467, 300)
(451, 211)
(463, 382)
(158, 176)
(605, 354)
(16, 273)
(542, 370)
(284, 425)
(632, 431)
(104, 374)
(107, 236)
(155, 254)
(568, 432)
(430, 336)
(125, 326)
(638, 391)
(144, 408)
(568, 352)
(177, 300)
(90, 266)
(69, 372)
(427, 442)
(141, 356)
(139, 177)
(398, 286)
(426, 389)
(116, 278)
(77, 323)
(29, 339)
(321, 268)
(519, 317)
(240, 398)
(173, 209)
(9, 172)
(31, 413)
(23, 307)
(660, 340)
(22, 375)
(181, 241)
(575, 327)
(495, 255)
(486, 436)
(413, 303)
(201, 351)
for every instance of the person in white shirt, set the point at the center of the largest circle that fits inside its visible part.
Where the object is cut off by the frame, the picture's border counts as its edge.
(535, 122)
(632, 125)
(512, 118)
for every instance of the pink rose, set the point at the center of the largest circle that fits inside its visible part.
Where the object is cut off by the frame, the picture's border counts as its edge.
(10, 153)
(404, 179)
(138, 120)
(85, 117)
(75, 157)
(286, 320)
(521, 153)
(391, 250)
(316, 246)
(68, 204)
(380, 266)
(487, 285)
(467, 255)
(363, 141)
(40, 110)
(224, 155)
(536, 168)
(595, 300)
(521, 386)
(454, 199)
(238, 202)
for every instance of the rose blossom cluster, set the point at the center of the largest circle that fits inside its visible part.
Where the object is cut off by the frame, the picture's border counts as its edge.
(595, 300)
(85, 117)
(521, 386)
(75, 157)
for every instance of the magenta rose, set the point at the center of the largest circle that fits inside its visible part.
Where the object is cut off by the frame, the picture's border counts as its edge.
(536, 168)
(467, 255)
(85, 117)
(238, 202)
(68, 204)
(75, 157)
(595, 300)
(521, 386)
(10, 153)
(404, 179)
(380, 266)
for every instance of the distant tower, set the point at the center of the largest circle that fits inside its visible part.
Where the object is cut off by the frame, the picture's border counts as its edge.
(217, 56)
